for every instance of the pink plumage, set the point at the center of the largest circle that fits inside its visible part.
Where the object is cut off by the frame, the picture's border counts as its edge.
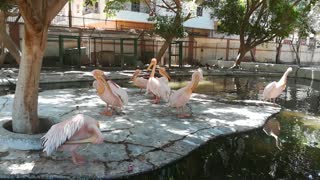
(274, 89)
(69, 134)
(181, 97)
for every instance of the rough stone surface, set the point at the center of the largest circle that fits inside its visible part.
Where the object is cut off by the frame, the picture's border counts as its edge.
(142, 137)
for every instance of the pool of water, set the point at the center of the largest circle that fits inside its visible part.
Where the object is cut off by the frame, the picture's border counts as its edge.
(286, 148)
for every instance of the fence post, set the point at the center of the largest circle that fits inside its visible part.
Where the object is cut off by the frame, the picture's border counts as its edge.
(227, 49)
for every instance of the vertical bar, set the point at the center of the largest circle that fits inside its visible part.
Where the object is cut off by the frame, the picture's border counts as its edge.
(135, 50)
(100, 57)
(170, 55)
(227, 49)
(79, 50)
(95, 52)
(90, 59)
(60, 50)
(121, 53)
(180, 54)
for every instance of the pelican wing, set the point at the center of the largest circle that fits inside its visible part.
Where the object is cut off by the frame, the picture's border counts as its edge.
(179, 98)
(163, 80)
(268, 89)
(141, 82)
(118, 91)
(61, 132)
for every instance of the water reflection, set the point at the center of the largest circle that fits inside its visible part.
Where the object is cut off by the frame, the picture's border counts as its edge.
(292, 154)
(272, 128)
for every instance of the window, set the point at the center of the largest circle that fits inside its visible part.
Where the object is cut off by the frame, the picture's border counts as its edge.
(91, 9)
(199, 11)
(135, 6)
(78, 8)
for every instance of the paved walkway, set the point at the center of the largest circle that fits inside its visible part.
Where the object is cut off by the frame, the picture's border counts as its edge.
(143, 137)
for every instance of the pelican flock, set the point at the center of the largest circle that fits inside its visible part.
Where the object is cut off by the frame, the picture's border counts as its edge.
(69, 134)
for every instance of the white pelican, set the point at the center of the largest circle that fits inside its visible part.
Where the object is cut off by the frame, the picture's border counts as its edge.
(157, 87)
(139, 81)
(69, 134)
(274, 89)
(165, 77)
(181, 97)
(109, 92)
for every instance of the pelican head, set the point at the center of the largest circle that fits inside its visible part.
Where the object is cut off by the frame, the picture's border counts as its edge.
(135, 74)
(196, 77)
(163, 72)
(152, 63)
(99, 75)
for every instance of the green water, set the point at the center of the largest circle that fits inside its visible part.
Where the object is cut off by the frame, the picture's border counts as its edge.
(255, 154)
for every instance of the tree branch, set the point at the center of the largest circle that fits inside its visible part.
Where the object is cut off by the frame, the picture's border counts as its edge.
(54, 7)
(29, 14)
(168, 6)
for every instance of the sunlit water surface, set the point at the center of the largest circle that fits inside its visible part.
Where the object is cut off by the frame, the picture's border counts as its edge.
(287, 147)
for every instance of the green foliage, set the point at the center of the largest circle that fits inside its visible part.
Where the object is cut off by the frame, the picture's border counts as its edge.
(5, 5)
(168, 26)
(260, 20)
(114, 6)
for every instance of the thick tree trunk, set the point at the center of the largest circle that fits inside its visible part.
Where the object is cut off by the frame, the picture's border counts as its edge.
(25, 107)
(163, 49)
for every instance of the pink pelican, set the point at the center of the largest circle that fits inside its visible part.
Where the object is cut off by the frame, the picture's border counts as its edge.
(156, 86)
(181, 97)
(165, 77)
(69, 134)
(109, 92)
(139, 81)
(274, 89)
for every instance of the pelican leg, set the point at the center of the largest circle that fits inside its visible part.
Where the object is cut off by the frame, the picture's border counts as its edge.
(77, 159)
(156, 100)
(183, 115)
(106, 111)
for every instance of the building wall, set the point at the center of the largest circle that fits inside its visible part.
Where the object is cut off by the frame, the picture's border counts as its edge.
(210, 49)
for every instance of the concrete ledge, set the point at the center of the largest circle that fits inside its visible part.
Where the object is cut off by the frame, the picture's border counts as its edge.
(143, 136)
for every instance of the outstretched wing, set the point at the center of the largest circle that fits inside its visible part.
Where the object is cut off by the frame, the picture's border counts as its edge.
(61, 132)
(118, 91)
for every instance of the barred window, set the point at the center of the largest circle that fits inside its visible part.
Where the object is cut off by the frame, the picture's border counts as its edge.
(199, 11)
(135, 6)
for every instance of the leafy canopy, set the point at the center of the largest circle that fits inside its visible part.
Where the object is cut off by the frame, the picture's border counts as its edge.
(259, 20)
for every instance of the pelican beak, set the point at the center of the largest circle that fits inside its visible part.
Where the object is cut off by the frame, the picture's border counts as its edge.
(134, 75)
(149, 67)
(167, 75)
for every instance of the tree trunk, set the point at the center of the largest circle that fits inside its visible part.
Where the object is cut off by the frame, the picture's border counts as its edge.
(253, 57)
(163, 49)
(279, 47)
(241, 53)
(297, 53)
(25, 107)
